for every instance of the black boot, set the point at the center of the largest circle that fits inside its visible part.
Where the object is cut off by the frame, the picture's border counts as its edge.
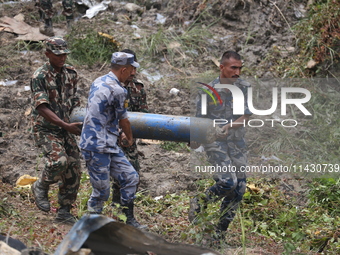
(64, 215)
(218, 240)
(41, 15)
(194, 210)
(47, 28)
(227, 214)
(69, 23)
(130, 218)
(115, 194)
(40, 194)
(196, 205)
(221, 229)
(222, 226)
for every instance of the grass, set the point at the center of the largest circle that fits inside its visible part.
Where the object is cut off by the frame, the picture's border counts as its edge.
(176, 46)
(286, 221)
(90, 47)
(270, 213)
(266, 215)
(6, 69)
(292, 222)
(317, 38)
(174, 146)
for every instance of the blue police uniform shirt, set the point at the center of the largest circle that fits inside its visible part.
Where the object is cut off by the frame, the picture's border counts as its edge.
(105, 107)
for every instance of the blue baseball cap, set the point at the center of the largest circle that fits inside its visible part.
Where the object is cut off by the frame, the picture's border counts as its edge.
(122, 58)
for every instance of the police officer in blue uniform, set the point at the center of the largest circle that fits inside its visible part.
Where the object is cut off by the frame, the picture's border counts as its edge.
(106, 116)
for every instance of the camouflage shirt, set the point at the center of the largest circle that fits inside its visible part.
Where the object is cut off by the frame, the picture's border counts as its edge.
(136, 97)
(105, 107)
(224, 111)
(46, 7)
(57, 90)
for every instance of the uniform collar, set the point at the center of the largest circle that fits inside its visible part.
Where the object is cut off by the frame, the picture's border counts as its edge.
(131, 84)
(53, 71)
(114, 77)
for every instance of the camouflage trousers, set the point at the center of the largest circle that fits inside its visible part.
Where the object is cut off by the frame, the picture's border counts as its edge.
(46, 8)
(102, 166)
(62, 163)
(229, 185)
(131, 154)
(68, 9)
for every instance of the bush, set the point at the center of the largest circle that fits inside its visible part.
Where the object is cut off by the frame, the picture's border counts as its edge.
(90, 47)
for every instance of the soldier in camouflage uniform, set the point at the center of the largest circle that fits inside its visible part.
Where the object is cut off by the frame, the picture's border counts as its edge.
(230, 147)
(136, 98)
(54, 88)
(46, 14)
(101, 138)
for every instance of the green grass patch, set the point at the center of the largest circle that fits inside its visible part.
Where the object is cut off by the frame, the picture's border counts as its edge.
(317, 38)
(180, 48)
(88, 47)
(174, 146)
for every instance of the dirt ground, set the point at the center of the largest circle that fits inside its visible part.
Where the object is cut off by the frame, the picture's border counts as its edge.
(253, 26)
(18, 154)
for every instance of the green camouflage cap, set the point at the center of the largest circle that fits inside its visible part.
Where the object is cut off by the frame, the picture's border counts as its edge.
(57, 45)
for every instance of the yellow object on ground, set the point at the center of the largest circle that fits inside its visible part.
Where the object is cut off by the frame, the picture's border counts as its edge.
(25, 180)
(110, 38)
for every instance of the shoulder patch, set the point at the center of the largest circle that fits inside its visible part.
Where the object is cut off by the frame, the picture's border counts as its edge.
(69, 67)
(42, 70)
(126, 103)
